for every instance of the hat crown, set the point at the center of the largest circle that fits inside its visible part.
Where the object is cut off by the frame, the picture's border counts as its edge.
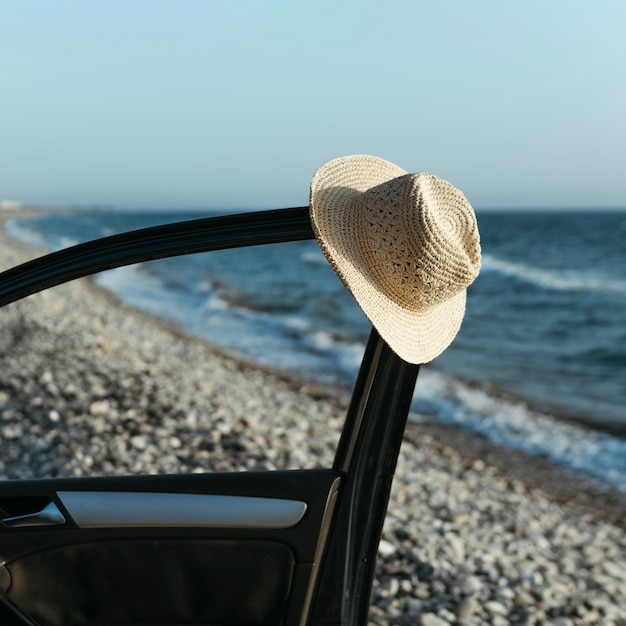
(406, 246)
(419, 238)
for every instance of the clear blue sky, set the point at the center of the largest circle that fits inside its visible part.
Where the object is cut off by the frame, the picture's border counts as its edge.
(200, 103)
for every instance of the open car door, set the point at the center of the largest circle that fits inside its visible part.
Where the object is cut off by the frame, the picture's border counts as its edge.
(223, 549)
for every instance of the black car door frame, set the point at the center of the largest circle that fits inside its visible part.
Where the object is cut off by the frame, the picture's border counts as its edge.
(339, 585)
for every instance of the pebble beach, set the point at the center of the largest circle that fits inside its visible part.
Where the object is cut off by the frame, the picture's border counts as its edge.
(475, 534)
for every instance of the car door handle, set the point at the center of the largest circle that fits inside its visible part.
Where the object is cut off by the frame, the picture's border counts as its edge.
(48, 516)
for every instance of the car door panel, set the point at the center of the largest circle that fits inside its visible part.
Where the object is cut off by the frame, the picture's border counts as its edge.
(165, 581)
(217, 549)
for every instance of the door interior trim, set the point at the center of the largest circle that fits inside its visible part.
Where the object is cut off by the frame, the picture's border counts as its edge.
(127, 509)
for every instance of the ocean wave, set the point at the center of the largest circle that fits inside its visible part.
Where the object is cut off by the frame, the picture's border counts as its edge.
(514, 424)
(559, 280)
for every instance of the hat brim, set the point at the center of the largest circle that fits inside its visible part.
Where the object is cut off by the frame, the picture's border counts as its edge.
(417, 337)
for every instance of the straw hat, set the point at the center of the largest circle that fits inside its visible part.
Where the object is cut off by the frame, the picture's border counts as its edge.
(405, 245)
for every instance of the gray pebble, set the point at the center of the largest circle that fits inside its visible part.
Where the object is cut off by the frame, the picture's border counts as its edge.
(431, 619)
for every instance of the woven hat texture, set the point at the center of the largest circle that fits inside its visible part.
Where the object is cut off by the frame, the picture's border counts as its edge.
(405, 245)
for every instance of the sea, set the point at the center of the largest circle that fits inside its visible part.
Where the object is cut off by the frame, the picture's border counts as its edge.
(538, 365)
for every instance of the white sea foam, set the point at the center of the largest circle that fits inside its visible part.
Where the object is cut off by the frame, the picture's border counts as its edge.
(25, 234)
(514, 424)
(322, 340)
(297, 324)
(137, 287)
(314, 256)
(204, 286)
(67, 242)
(15, 229)
(561, 280)
(216, 303)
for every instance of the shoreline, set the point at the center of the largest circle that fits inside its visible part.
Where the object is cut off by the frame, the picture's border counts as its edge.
(578, 420)
(590, 495)
(123, 391)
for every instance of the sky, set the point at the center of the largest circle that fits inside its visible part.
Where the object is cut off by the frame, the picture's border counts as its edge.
(235, 104)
